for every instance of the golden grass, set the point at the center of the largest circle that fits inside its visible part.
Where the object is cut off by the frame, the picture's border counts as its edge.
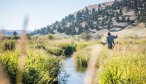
(125, 64)
(21, 63)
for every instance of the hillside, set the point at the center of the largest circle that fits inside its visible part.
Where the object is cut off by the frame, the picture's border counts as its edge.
(136, 31)
(130, 31)
(111, 16)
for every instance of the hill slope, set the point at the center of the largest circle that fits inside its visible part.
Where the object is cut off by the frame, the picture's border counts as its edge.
(113, 16)
(130, 31)
(136, 31)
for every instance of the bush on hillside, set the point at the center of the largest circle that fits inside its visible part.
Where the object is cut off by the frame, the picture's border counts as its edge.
(50, 37)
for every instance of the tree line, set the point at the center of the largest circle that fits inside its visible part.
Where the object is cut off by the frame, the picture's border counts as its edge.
(97, 18)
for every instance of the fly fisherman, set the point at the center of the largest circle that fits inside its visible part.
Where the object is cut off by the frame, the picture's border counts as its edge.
(110, 40)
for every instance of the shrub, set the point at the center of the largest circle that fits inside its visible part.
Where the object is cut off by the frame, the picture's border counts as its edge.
(86, 35)
(8, 37)
(10, 62)
(51, 50)
(50, 37)
(28, 36)
(8, 45)
(68, 49)
(40, 46)
(56, 51)
(15, 37)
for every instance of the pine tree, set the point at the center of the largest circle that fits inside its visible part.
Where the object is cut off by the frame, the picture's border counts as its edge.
(99, 7)
(80, 29)
(120, 12)
(135, 7)
(87, 10)
(93, 10)
(109, 23)
(14, 33)
(117, 19)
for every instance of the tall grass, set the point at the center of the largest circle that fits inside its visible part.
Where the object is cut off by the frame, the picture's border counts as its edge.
(82, 58)
(68, 49)
(130, 40)
(4, 79)
(125, 64)
(58, 49)
(8, 45)
(83, 44)
(39, 68)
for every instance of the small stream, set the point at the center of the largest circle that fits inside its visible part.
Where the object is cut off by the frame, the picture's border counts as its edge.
(69, 74)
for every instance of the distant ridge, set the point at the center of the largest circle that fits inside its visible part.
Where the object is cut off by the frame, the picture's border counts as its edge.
(10, 32)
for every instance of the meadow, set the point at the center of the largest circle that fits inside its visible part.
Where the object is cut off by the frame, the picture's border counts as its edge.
(43, 57)
(41, 62)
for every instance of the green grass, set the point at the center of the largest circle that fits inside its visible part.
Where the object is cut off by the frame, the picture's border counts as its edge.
(82, 58)
(40, 67)
(8, 45)
(81, 45)
(123, 67)
(68, 49)
(125, 64)
(55, 47)
(83, 54)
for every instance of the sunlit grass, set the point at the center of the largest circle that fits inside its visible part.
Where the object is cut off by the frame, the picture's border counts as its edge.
(83, 44)
(131, 40)
(39, 66)
(125, 64)
(121, 65)
(82, 58)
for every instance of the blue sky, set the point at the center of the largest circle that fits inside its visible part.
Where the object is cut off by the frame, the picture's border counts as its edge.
(41, 12)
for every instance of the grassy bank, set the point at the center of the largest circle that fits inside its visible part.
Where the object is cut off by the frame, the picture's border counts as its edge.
(125, 64)
(39, 67)
(42, 59)
(82, 55)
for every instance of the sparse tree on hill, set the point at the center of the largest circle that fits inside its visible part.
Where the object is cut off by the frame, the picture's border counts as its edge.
(120, 12)
(117, 19)
(109, 23)
(93, 10)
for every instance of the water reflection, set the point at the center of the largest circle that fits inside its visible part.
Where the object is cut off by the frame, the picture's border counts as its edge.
(70, 75)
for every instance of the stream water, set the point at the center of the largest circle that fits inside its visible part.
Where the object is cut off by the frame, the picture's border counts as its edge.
(69, 74)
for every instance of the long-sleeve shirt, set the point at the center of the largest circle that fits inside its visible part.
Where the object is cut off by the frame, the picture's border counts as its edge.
(110, 39)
